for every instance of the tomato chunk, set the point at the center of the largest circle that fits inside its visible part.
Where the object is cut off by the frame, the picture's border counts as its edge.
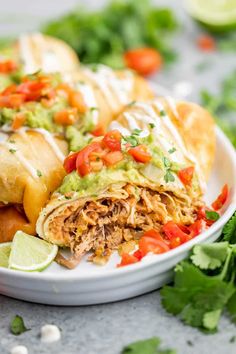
(18, 121)
(76, 101)
(151, 244)
(98, 131)
(173, 231)
(140, 154)
(143, 60)
(7, 66)
(83, 165)
(66, 117)
(70, 162)
(113, 157)
(206, 43)
(127, 259)
(222, 198)
(186, 175)
(112, 140)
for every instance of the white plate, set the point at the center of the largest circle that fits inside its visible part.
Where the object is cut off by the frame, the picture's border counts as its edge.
(90, 284)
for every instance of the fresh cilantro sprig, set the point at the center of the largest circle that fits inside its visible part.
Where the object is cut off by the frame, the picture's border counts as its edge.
(205, 284)
(17, 325)
(148, 346)
(223, 106)
(104, 35)
(168, 177)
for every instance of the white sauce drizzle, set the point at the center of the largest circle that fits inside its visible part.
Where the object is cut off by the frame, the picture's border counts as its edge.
(26, 54)
(50, 333)
(49, 139)
(132, 122)
(115, 125)
(113, 88)
(89, 99)
(31, 170)
(172, 105)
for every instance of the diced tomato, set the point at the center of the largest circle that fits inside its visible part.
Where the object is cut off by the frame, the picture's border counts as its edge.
(18, 121)
(14, 100)
(113, 157)
(154, 234)
(143, 60)
(7, 66)
(82, 162)
(151, 244)
(127, 259)
(138, 255)
(222, 198)
(206, 43)
(196, 228)
(64, 89)
(112, 140)
(186, 175)
(98, 131)
(70, 162)
(140, 154)
(201, 215)
(8, 90)
(76, 101)
(66, 117)
(173, 231)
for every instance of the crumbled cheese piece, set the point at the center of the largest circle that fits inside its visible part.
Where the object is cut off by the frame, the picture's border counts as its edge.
(19, 349)
(50, 333)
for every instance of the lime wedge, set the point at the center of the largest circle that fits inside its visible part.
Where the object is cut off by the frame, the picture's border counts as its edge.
(5, 250)
(29, 253)
(215, 14)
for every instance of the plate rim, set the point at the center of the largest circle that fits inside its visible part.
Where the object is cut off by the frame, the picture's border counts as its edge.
(160, 259)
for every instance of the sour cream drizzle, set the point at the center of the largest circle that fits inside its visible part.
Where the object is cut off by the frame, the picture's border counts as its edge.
(89, 99)
(26, 54)
(24, 162)
(112, 87)
(49, 139)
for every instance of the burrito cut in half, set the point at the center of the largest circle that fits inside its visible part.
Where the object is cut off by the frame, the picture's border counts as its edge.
(31, 169)
(124, 184)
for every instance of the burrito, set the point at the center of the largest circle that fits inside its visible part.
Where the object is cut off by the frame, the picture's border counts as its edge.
(126, 183)
(86, 100)
(35, 51)
(31, 169)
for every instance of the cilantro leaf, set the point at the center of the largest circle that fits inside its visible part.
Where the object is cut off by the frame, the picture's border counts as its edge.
(136, 132)
(169, 177)
(198, 298)
(231, 307)
(171, 151)
(17, 326)
(210, 256)
(148, 346)
(229, 231)
(212, 215)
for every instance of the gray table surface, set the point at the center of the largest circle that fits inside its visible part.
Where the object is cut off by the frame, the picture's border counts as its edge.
(105, 329)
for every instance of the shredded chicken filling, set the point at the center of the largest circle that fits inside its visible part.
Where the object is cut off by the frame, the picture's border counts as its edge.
(104, 224)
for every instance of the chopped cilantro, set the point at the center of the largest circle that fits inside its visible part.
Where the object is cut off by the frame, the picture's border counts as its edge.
(131, 103)
(131, 139)
(12, 141)
(162, 113)
(136, 131)
(12, 151)
(17, 326)
(171, 151)
(167, 162)
(39, 173)
(151, 125)
(212, 215)
(169, 177)
(148, 346)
